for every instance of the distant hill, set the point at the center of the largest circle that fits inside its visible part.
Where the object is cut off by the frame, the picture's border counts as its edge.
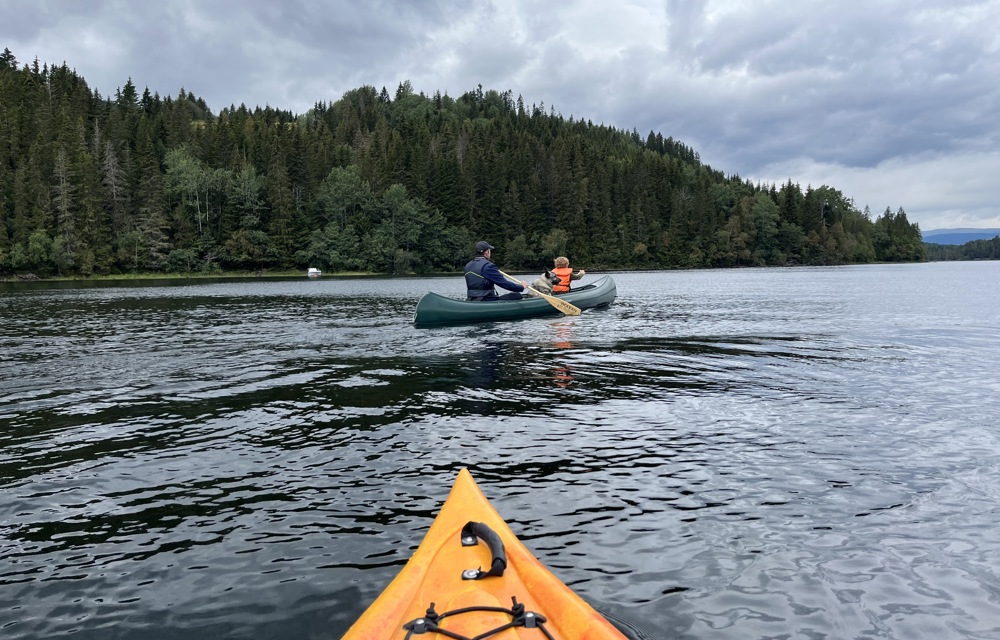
(381, 184)
(959, 236)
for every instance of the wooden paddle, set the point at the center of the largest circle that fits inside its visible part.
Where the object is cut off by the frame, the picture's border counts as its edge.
(562, 305)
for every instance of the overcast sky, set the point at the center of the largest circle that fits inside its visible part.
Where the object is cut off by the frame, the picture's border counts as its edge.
(896, 104)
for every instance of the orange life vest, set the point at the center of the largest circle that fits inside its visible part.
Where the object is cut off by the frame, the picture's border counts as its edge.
(565, 275)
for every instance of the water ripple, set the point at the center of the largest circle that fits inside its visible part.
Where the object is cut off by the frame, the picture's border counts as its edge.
(758, 453)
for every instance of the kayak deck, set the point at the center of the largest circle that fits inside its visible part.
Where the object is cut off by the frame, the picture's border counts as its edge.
(435, 593)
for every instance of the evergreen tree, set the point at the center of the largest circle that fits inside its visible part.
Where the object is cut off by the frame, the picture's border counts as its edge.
(394, 183)
(150, 243)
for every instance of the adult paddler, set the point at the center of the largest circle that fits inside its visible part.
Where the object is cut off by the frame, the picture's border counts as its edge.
(482, 277)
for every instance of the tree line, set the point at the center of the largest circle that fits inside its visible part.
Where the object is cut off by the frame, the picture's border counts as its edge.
(972, 250)
(373, 182)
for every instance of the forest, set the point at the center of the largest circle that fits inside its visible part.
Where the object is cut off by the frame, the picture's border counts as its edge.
(972, 250)
(405, 183)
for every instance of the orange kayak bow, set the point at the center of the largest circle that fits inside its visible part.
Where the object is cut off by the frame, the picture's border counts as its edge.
(472, 578)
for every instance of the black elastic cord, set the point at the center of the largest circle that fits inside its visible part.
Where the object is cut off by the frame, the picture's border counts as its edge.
(519, 618)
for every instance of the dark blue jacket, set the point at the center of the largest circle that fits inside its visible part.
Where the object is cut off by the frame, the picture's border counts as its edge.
(480, 277)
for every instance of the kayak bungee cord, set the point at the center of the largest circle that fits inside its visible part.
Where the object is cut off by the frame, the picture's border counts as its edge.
(519, 618)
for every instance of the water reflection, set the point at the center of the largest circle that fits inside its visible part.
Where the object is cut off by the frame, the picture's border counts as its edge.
(485, 367)
(563, 336)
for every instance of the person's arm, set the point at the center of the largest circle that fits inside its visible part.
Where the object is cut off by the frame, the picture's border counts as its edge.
(576, 275)
(493, 275)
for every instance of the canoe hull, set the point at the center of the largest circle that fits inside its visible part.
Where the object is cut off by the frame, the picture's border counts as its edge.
(434, 575)
(435, 309)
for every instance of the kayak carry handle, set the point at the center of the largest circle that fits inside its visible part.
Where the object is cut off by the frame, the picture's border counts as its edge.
(472, 532)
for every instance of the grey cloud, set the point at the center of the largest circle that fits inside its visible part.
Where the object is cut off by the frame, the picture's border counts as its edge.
(858, 84)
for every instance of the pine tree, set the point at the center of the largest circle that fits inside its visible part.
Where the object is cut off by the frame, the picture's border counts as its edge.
(282, 219)
(151, 243)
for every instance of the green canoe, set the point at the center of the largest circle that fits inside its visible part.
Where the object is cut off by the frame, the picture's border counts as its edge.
(435, 309)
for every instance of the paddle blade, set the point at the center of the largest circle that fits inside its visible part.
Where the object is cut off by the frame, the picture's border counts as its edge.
(562, 305)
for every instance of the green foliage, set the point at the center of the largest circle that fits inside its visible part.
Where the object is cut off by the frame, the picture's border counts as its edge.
(386, 182)
(894, 239)
(554, 243)
(972, 250)
(39, 250)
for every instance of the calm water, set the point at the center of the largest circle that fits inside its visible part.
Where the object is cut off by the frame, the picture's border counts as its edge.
(781, 453)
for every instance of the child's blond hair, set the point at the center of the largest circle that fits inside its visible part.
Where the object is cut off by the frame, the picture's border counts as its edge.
(562, 262)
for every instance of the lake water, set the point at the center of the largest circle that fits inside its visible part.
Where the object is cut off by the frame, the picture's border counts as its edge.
(754, 453)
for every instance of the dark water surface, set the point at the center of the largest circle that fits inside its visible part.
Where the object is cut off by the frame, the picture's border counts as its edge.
(781, 453)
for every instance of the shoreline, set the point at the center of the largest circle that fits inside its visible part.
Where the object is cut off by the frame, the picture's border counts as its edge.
(122, 277)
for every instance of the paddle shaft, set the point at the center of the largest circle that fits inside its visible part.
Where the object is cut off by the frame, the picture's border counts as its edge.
(562, 305)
